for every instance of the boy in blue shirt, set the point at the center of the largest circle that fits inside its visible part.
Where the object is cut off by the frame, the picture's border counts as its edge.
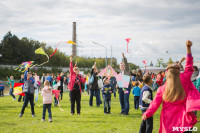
(1, 88)
(136, 92)
(106, 92)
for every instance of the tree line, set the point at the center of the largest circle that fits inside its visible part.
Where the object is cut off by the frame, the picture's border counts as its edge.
(14, 51)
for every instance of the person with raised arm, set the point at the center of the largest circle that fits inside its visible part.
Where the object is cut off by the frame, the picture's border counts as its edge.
(75, 88)
(179, 98)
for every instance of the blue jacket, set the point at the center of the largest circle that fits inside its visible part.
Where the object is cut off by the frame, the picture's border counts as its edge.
(136, 91)
(49, 78)
(2, 86)
(107, 88)
(142, 103)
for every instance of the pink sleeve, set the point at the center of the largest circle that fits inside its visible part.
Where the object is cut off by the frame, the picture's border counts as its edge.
(188, 68)
(71, 67)
(83, 80)
(155, 103)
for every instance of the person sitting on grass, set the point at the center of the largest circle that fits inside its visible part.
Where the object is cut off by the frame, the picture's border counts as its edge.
(1, 88)
(136, 92)
(179, 98)
(47, 100)
(146, 98)
(106, 92)
(11, 82)
(29, 92)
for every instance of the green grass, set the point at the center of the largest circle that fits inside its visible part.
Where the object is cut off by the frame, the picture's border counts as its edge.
(92, 119)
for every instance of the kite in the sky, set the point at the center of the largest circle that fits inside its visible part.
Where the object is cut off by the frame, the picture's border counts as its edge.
(70, 42)
(22, 67)
(145, 62)
(128, 40)
(29, 64)
(41, 51)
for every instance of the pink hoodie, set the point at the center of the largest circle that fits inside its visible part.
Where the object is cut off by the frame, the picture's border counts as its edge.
(179, 113)
(47, 95)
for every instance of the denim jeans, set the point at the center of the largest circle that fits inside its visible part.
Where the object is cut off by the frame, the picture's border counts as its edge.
(146, 125)
(121, 99)
(11, 93)
(107, 104)
(94, 93)
(46, 106)
(126, 101)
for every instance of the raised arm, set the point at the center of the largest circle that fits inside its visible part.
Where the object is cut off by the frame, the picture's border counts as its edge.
(71, 65)
(154, 105)
(189, 61)
(125, 63)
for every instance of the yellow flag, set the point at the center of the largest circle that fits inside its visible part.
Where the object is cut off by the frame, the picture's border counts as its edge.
(40, 51)
(17, 90)
(71, 42)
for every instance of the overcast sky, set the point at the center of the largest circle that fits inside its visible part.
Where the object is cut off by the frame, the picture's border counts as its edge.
(154, 26)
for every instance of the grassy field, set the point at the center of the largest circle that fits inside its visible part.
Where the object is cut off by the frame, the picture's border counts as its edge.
(92, 119)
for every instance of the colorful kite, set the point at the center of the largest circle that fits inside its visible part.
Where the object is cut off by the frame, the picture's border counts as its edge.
(18, 89)
(123, 80)
(128, 40)
(71, 42)
(22, 67)
(108, 72)
(57, 93)
(41, 51)
(29, 64)
(145, 62)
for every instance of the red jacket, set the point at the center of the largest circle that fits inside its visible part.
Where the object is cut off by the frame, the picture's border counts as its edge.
(73, 77)
(159, 79)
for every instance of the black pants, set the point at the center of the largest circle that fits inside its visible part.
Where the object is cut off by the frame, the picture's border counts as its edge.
(1, 93)
(28, 97)
(146, 125)
(107, 104)
(20, 97)
(46, 106)
(61, 91)
(136, 102)
(75, 97)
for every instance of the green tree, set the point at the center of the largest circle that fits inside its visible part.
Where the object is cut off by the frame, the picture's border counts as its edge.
(160, 62)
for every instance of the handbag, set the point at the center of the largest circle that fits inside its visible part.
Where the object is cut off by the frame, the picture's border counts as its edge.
(100, 83)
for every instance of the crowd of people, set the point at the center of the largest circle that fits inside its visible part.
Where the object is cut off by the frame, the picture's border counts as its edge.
(178, 90)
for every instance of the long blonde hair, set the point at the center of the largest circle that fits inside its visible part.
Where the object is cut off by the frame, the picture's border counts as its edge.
(174, 90)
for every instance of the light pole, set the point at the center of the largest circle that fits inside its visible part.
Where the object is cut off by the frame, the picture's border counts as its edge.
(106, 52)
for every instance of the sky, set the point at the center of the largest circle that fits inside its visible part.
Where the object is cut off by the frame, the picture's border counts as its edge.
(154, 26)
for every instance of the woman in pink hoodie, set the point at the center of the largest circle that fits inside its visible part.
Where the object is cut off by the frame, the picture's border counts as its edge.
(47, 100)
(179, 99)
